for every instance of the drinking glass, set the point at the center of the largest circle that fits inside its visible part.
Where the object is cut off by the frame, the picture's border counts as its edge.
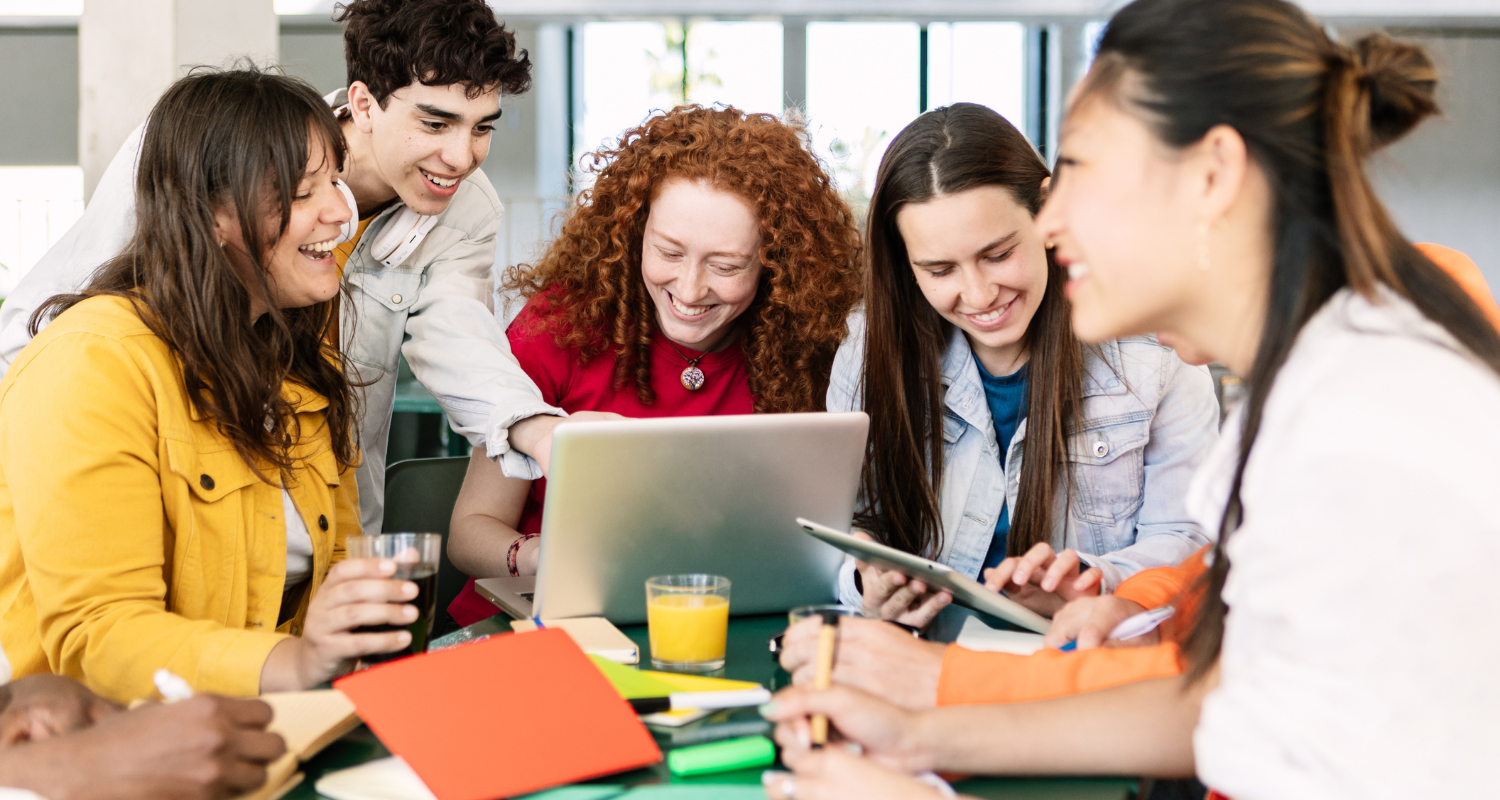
(688, 621)
(417, 557)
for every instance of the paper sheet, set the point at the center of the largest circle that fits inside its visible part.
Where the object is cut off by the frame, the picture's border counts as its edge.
(976, 635)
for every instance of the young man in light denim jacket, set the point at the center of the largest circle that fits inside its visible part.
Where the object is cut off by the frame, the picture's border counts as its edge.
(418, 271)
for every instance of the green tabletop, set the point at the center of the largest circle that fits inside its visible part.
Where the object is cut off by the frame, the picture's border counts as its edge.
(747, 658)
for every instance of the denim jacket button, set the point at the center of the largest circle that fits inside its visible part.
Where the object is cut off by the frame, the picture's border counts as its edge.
(395, 298)
(1101, 448)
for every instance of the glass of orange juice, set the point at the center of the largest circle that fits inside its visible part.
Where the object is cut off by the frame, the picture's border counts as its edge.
(688, 621)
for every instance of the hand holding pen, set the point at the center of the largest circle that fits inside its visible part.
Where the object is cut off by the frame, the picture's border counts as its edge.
(1133, 627)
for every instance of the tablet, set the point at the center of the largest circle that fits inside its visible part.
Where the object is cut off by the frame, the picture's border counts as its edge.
(966, 591)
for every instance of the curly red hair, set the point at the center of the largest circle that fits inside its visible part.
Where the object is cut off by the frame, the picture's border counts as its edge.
(596, 299)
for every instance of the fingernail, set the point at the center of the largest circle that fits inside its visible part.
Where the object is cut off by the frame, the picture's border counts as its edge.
(409, 611)
(409, 589)
(772, 775)
(805, 737)
(387, 565)
(854, 748)
(768, 710)
(405, 638)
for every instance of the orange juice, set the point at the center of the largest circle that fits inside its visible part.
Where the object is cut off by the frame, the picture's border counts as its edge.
(687, 628)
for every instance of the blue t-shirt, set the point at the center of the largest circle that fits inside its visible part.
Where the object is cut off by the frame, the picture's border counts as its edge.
(1007, 400)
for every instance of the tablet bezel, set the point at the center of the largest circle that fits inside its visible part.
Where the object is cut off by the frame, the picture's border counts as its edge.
(966, 591)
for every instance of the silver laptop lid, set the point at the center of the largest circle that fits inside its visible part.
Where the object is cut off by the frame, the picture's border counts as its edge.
(630, 499)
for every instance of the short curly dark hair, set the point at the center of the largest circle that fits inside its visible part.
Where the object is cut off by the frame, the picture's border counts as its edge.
(389, 44)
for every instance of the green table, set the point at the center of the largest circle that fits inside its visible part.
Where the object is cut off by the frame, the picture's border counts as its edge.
(748, 659)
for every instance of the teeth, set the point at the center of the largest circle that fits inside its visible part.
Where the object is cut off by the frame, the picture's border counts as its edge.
(990, 316)
(443, 182)
(687, 310)
(319, 249)
(1077, 271)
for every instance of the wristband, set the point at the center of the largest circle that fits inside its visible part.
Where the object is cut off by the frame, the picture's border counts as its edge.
(515, 551)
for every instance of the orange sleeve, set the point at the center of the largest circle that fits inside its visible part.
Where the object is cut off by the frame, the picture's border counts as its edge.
(1463, 270)
(971, 678)
(1159, 586)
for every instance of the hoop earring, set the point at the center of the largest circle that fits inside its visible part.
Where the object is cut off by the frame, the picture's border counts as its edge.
(1205, 263)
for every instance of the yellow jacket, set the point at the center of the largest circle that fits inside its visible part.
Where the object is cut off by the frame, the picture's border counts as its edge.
(132, 535)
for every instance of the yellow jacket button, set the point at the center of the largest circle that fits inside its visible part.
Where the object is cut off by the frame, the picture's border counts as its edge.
(322, 522)
(206, 482)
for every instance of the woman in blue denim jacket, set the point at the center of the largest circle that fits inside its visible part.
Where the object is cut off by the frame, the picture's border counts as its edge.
(966, 362)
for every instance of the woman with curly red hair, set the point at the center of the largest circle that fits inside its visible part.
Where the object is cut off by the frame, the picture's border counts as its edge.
(708, 271)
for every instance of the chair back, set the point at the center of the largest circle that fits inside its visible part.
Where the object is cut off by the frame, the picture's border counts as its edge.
(419, 498)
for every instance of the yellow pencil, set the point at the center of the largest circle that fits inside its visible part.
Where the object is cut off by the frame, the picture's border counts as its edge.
(823, 679)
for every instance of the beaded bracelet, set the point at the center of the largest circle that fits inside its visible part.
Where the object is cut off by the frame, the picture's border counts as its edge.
(515, 551)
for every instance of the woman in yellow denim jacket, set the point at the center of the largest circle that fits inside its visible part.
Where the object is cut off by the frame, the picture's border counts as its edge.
(158, 437)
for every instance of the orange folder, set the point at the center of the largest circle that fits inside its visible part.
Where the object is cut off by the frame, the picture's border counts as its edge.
(507, 716)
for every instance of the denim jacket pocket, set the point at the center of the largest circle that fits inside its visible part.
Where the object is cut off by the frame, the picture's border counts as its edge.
(380, 295)
(1108, 458)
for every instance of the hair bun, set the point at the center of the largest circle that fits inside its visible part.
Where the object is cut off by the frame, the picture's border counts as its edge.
(1402, 83)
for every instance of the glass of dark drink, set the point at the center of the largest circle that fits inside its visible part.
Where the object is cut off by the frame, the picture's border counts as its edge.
(417, 558)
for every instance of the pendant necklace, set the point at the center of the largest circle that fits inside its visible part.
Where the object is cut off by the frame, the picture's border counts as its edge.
(692, 377)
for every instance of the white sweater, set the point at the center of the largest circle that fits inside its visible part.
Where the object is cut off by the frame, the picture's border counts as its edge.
(1360, 652)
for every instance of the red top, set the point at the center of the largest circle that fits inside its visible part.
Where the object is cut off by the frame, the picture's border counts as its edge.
(572, 386)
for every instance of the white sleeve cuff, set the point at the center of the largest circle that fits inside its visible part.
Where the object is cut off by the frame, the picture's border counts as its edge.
(19, 794)
(513, 463)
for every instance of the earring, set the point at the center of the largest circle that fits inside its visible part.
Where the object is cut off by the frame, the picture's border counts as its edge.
(1204, 262)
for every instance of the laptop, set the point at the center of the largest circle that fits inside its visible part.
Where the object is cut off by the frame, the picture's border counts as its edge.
(630, 499)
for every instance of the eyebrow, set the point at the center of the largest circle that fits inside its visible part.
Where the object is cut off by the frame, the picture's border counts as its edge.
(451, 116)
(729, 253)
(1001, 242)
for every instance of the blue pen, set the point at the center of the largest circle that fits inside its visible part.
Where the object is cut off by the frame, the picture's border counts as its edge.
(1132, 627)
(538, 622)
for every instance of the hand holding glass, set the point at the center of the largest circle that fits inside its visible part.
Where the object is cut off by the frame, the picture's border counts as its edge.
(417, 557)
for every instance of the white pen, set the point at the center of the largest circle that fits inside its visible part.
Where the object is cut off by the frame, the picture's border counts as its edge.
(172, 687)
(1142, 623)
(1133, 627)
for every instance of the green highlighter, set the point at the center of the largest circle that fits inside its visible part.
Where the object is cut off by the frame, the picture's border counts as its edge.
(746, 752)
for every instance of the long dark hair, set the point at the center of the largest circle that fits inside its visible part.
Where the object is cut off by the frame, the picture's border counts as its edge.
(946, 151)
(1309, 110)
(240, 139)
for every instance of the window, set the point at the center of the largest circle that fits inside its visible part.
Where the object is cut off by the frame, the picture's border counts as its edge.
(735, 63)
(37, 206)
(863, 87)
(978, 62)
(632, 69)
(44, 8)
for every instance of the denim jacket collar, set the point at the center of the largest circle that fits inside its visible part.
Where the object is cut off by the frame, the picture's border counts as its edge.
(963, 390)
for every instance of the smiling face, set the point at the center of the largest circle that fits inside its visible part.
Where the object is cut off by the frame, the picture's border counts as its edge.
(422, 144)
(700, 261)
(979, 262)
(1123, 216)
(300, 268)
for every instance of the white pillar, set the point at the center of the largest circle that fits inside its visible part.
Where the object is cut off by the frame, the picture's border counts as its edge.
(129, 51)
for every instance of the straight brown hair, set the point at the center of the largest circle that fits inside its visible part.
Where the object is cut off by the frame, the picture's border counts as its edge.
(1310, 111)
(943, 152)
(240, 139)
